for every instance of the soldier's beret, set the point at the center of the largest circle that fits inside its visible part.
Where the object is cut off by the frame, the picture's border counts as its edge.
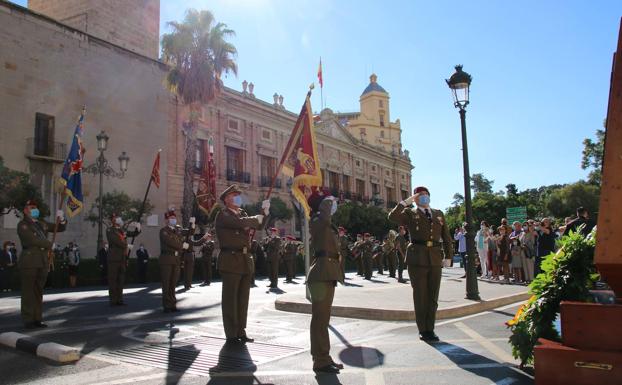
(420, 189)
(366, 235)
(401, 228)
(274, 229)
(31, 202)
(340, 228)
(169, 214)
(113, 216)
(359, 235)
(230, 190)
(291, 238)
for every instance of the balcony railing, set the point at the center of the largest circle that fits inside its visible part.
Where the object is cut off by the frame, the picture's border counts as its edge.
(266, 181)
(238, 176)
(54, 152)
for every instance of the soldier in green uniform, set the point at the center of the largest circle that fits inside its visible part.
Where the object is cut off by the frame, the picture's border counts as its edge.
(207, 251)
(188, 255)
(324, 274)
(34, 262)
(289, 257)
(430, 242)
(117, 257)
(400, 248)
(366, 250)
(388, 250)
(171, 246)
(355, 250)
(273, 246)
(344, 248)
(235, 262)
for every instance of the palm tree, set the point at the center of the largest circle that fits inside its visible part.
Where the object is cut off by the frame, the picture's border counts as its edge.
(198, 53)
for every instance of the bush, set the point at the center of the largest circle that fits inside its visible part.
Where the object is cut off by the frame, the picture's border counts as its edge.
(567, 275)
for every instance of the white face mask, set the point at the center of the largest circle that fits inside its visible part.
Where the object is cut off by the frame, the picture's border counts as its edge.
(333, 208)
(172, 222)
(118, 221)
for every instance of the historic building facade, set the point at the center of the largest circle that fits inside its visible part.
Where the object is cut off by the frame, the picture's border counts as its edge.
(49, 69)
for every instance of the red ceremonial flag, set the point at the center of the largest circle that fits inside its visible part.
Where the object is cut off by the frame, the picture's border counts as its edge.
(155, 171)
(206, 194)
(319, 75)
(300, 159)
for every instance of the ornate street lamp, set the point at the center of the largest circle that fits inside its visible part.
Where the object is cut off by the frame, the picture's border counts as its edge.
(102, 168)
(459, 83)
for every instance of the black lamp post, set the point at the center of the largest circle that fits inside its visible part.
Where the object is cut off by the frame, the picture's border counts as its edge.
(102, 168)
(459, 84)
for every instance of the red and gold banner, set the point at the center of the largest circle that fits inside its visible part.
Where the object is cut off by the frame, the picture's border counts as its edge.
(300, 160)
(206, 194)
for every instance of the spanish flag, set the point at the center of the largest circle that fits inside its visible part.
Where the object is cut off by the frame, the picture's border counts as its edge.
(300, 160)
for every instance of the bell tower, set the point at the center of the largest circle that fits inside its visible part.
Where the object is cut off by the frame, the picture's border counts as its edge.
(134, 25)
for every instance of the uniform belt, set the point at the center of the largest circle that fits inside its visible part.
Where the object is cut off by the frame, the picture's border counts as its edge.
(243, 250)
(427, 243)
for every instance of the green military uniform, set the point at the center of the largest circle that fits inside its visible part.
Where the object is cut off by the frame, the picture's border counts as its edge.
(430, 243)
(344, 251)
(259, 258)
(360, 266)
(289, 257)
(171, 245)
(34, 265)
(273, 247)
(188, 257)
(117, 264)
(207, 252)
(400, 247)
(324, 273)
(236, 266)
(388, 250)
(366, 250)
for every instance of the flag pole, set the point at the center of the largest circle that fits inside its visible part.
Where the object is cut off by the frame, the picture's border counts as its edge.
(56, 223)
(142, 206)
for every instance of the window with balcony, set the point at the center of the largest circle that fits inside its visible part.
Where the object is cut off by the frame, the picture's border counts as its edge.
(346, 183)
(268, 168)
(404, 194)
(235, 165)
(375, 189)
(360, 189)
(382, 121)
(333, 183)
(390, 194)
(44, 135)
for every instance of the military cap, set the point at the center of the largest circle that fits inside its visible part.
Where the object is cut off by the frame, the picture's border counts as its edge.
(274, 229)
(169, 214)
(291, 237)
(366, 234)
(31, 202)
(340, 228)
(420, 189)
(230, 190)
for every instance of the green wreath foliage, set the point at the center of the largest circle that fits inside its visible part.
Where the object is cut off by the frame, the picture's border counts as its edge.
(567, 275)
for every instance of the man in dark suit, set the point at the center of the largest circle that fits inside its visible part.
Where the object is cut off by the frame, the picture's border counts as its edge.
(235, 262)
(430, 242)
(582, 219)
(142, 261)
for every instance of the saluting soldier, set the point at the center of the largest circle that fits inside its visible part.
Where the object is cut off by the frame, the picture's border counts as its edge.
(324, 273)
(207, 251)
(171, 246)
(430, 242)
(117, 257)
(33, 262)
(289, 257)
(273, 245)
(400, 248)
(235, 262)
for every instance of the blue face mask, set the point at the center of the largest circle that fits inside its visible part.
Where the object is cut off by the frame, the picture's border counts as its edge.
(172, 221)
(237, 200)
(424, 200)
(34, 213)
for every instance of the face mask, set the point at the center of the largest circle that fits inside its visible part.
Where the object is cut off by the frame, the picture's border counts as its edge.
(172, 222)
(237, 200)
(34, 213)
(118, 221)
(424, 200)
(333, 208)
(515, 243)
(537, 227)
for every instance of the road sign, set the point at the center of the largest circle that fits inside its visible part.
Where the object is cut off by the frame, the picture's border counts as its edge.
(516, 214)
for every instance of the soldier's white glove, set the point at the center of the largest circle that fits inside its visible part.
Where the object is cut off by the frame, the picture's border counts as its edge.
(60, 214)
(136, 226)
(54, 246)
(185, 245)
(193, 220)
(408, 201)
(260, 218)
(129, 247)
(265, 205)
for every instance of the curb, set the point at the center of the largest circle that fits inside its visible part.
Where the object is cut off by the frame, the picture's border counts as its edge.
(403, 315)
(50, 350)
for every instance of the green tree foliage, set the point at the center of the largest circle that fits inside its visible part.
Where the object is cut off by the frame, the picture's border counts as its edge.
(564, 201)
(119, 203)
(197, 52)
(593, 152)
(359, 219)
(16, 190)
(278, 211)
(567, 275)
(480, 184)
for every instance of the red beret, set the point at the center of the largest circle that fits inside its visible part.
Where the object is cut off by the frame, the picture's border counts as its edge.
(274, 229)
(341, 228)
(366, 235)
(420, 189)
(169, 214)
(291, 237)
(31, 202)
(113, 216)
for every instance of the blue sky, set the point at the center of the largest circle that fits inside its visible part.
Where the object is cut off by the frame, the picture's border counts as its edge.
(540, 72)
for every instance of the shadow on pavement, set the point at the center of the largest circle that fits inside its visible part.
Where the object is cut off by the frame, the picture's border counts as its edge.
(327, 379)
(235, 366)
(358, 356)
